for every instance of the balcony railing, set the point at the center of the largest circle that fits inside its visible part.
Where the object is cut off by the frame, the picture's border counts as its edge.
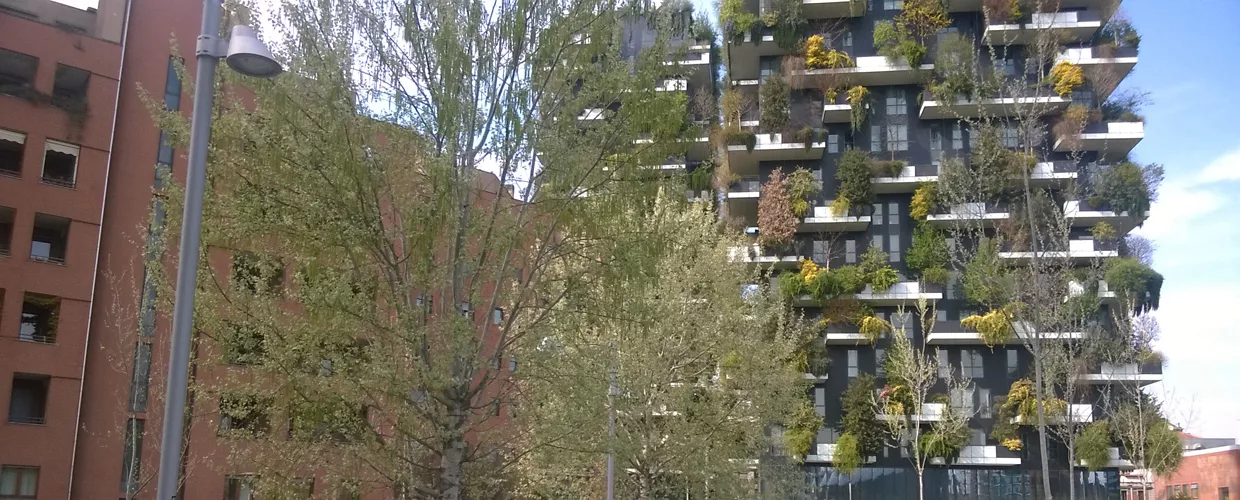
(900, 293)
(1064, 26)
(1026, 102)
(1141, 373)
(983, 455)
(867, 71)
(822, 219)
(825, 453)
(1076, 413)
(36, 337)
(954, 333)
(771, 147)
(48, 259)
(1077, 250)
(930, 412)
(27, 419)
(1113, 140)
(985, 214)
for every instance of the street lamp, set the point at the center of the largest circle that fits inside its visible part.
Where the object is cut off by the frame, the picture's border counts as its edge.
(245, 54)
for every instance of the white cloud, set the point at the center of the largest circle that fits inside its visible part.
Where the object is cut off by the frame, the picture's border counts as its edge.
(1223, 168)
(1201, 379)
(1181, 202)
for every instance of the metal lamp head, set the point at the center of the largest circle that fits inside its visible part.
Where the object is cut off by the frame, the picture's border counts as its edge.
(249, 56)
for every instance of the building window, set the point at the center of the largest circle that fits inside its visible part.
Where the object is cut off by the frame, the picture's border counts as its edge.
(983, 402)
(893, 4)
(1192, 491)
(850, 251)
(512, 364)
(172, 86)
(896, 104)
(893, 248)
(936, 142)
(139, 384)
(17, 73)
(876, 241)
(60, 163)
(940, 315)
(70, 86)
(833, 143)
(242, 344)
(256, 274)
(131, 457)
(897, 138)
(971, 363)
(903, 322)
(40, 315)
(944, 366)
(1013, 364)
(1010, 136)
(893, 213)
(877, 219)
(6, 230)
(50, 239)
(876, 138)
(880, 358)
(28, 399)
(821, 251)
(957, 136)
(852, 363)
(239, 488)
(244, 413)
(1224, 493)
(820, 400)
(497, 315)
(12, 149)
(1005, 67)
(19, 483)
(962, 399)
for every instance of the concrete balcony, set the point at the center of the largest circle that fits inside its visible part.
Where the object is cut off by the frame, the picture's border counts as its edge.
(1107, 373)
(868, 71)
(1081, 214)
(771, 147)
(978, 213)
(837, 112)
(953, 333)
(1023, 106)
(592, 115)
(1076, 289)
(1114, 460)
(1050, 173)
(1106, 62)
(1078, 251)
(695, 66)
(1064, 27)
(747, 50)
(907, 181)
(904, 292)
(1076, 413)
(672, 85)
(984, 456)
(754, 255)
(976, 5)
(825, 453)
(696, 148)
(832, 9)
(930, 412)
(1113, 140)
(821, 220)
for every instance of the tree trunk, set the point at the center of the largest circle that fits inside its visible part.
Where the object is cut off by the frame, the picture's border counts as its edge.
(1037, 348)
(451, 460)
(1071, 470)
(921, 484)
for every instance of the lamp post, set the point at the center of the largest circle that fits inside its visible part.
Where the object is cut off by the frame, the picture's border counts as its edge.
(247, 55)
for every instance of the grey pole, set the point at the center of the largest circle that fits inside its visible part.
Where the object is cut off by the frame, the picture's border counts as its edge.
(187, 265)
(612, 391)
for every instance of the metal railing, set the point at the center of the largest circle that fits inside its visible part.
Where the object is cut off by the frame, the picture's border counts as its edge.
(68, 183)
(27, 419)
(48, 259)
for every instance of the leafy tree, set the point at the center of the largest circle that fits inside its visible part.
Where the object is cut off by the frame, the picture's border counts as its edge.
(860, 417)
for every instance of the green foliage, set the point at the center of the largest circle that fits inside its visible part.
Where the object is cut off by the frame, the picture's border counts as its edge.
(907, 36)
(773, 101)
(853, 174)
(847, 457)
(995, 327)
(883, 278)
(857, 103)
(886, 168)
(929, 251)
(1147, 436)
(1119, 32)
(807, 136)
(1134, 282)
(925, 201)
(739, 137)
(800, 429)
(873, 327)
(859, 415)
(1005, 431)
(1103, 232)
(818, 57)
(986, 280)
(1066, 77)
(1091, 446)
(1129, 187)
(1002, 11)
(939, 443)
(802, 188)
(733, 16)
(954, 68)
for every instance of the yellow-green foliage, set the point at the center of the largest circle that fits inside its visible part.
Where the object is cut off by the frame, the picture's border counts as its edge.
(995, 326)
(817, 56)
(925, 198)
(801, 187)
(800, 430)
(846, 458)
(1103, 232)
(840, 206)
(1066, 78)
(1091, 446)
(734, 11)
(856, 100)
(873, 327)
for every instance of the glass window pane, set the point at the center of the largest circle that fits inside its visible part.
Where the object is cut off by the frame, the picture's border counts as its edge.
(850, 251)
(876, 241)
(8, 482)
(30, 481)
(877, 219)
(984, 401)
(893, 247)
(893, 213)
(876, 138)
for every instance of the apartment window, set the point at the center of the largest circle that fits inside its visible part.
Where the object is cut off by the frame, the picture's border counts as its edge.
(242, 344)
(893, 213)
(1224, 493)
(1192, 491)
(896, 103)
(1178, 489)
(971, 363)
(1010, 136)
(878, 215)
(256, 274)
(903, 322)
(12, 149)
(172, 85)
(848, 41)
(6, 230)
(944, 366)
(940, 315)
(876, 241)
(880, 358)
(49, 239)
(953, 282)
(69, 87)
(1005, 67)
(893, 248)
(957, 136)
(893, 4)
(497, 316)
(131, 458)
(820, 400)
(165, 154)
(962, 399)
(897, 137)
(17, 73)
(876, 138)
(139, 382)
(239, 488)
(244, 413)
(852, 363)
(512, 365)
(60, 163)
(936, 142)
(28, 401)
(1013, 364)
(19, 483)
(983, 397)
(146, 322)
(833, 144)
(821, 251)
(40, 315)
(850, 251)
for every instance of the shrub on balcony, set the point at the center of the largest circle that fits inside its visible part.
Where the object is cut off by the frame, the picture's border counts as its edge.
(929, 253)
(858, 103)
(777, 224)
(1129, 187)
(994, 327)
(807, 136)
(986, 280)
(907, 36)
(818, 57)
(732, 15)
(1001, 11)
(1134, 282)
(954, 68)
(802, 187)
(847, 457)
(924, 202)
(939, 442)
(1093, 443)
(1151, 357)
(896, 394)
(737, 137)
(883, 278)
(873, 327)
(1123, 107)
(1066, 77)
(853, 174)
(1120, 33)
(773, 102)
(859, 416)
(800, 429)
(1103, 232)
(880, 168)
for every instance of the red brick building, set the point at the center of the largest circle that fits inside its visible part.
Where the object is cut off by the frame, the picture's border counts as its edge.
(1208, 474)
